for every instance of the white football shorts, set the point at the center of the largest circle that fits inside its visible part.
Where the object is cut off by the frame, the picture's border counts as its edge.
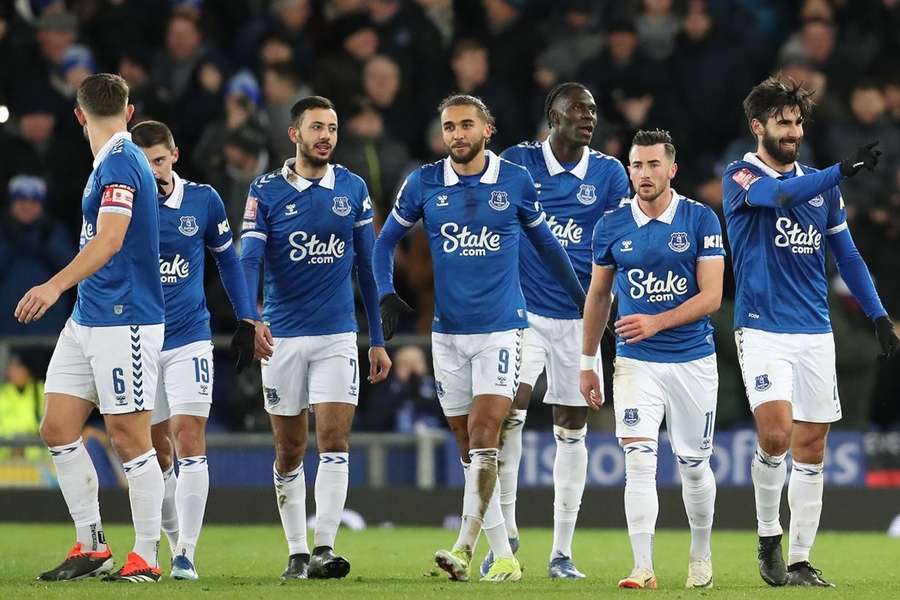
(185, 382)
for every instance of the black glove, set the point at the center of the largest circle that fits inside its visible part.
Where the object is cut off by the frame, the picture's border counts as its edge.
(243, 345)
(392, 306)
(887, 337)
(865, 156)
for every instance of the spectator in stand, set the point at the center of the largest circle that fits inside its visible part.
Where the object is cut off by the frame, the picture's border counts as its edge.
(572, 39)
(192, 75)
(135, 67)
(339, 74)
(21, 404)
(33, 247)
(406, 400)
(657, 27)
(243, 99)
(382, 84)
(245, 157)
(512, 44)
(289, 21)
(76, 65)
(471, 66)
(282, 87)
(868, 122)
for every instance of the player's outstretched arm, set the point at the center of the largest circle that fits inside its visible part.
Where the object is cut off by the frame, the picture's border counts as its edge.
(111, 229)
(787, 193)
(710, 274)
(596, 314)
(557, 261)
(856, 275)
(392, 306)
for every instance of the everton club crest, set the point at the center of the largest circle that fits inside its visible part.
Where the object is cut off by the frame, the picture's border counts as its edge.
(679, 242)
(631, 417)
(587, 194)
(341, 206)
(499, 200)
(188, 225)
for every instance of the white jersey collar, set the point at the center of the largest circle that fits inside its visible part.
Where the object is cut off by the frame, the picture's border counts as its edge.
(115, 139)
(177, 195)
(666, 217)
(553, 166)
(490, 174)
(300, 183)
(754, 160)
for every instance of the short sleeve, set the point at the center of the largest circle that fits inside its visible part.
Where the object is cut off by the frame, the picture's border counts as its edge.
(601, 244)
(837, 213)
(254, 223)
(119, 180)
(619, 186)
(736, 182)
(365, 214)
(709, 236)
(218, 231)
(529, 209)
(408, 206)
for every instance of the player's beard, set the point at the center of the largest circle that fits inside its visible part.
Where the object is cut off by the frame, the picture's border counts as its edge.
(780, 153)
(307, 153)
(474, 149)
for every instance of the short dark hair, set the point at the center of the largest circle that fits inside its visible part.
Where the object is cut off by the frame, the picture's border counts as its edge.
(652, 137)
(103, 95)
(150, 133)
(773, 95)
(467, 100)
(466, 45)
(304, 104)
(560, 90)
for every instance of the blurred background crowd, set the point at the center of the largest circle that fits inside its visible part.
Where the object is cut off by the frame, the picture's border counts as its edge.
(223, 74)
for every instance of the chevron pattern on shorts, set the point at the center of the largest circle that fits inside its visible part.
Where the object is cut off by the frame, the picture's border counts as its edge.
(137, 367)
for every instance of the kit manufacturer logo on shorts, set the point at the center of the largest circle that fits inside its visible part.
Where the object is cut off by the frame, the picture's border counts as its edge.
(762, 383)
(271, 395)
(631, 417)
(705, 444)
(188, 225)
(679, 241)
(439, 387)
(341, 206)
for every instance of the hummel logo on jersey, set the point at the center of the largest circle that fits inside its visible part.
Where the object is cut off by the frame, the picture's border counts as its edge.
(499, 200)
(290, 210)
(570, 233)
(341, 206)
(712, 241)
(468, 243)
(170, 271)
(656, 289)
(442, 201)
(188, 225)
(319, 252)
(791, 235)
(626, 246)
(587, 194)
(224, 227)
(679, 242)
(537, 185)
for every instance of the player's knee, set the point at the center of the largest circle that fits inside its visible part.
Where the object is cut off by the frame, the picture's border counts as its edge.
(189, 439)
(164, 457)
(570, 417)
(290, 451)
(693, 469)
(56, 433)
(484, 435)
(775, 441)
(332, 441)
(523, 397)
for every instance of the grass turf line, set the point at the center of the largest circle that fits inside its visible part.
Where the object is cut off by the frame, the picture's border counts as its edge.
(245, 562)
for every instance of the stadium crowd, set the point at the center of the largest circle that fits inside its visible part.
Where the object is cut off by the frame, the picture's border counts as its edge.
(224, 75)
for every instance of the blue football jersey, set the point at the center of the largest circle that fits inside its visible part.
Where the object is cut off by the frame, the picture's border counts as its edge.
(309, 257)
(191, 220)
(779, 253)
(474, 229)
(573, 201)
(126, 290)
(656, 270)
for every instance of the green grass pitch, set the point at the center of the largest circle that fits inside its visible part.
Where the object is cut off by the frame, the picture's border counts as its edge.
(245, 562)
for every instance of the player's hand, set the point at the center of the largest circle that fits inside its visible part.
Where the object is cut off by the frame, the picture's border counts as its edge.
(392, 306)
(264, 345)
(887, 337)
(865, 157)
(635, 328)
(36, 302)
(243, 344)
(592, 389)
(379, 364)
